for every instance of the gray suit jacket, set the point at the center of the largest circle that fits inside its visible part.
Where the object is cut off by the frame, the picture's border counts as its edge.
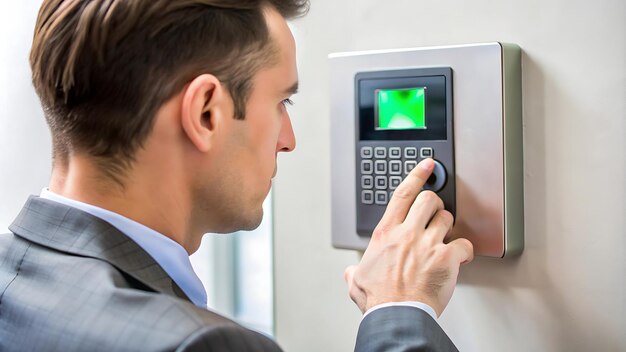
(72, 282)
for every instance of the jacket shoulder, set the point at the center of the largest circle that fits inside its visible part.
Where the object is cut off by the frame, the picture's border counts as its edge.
(55, 301)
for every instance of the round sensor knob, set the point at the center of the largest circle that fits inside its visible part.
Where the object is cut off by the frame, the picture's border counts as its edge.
(438, 179)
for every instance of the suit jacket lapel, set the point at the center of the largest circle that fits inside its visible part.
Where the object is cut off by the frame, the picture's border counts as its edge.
(73, 231)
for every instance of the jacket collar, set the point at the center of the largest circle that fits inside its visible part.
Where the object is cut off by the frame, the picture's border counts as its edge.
(73, 231)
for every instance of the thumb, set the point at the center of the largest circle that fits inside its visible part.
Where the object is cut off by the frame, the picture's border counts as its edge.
(355, 293)
(348, 274)
(463, 250)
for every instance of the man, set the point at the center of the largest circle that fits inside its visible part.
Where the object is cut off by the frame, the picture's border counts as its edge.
(166, 119)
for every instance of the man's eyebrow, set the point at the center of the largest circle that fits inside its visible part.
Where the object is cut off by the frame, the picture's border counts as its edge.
(293, 89)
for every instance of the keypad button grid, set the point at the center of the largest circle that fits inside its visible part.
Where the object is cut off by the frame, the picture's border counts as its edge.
(383, 169)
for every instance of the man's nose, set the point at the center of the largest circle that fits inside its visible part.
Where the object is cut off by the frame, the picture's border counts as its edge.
(286, 139)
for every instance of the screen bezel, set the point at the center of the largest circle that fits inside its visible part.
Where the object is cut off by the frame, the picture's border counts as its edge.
(434, 79)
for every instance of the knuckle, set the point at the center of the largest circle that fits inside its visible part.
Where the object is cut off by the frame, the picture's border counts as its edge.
(448, 218)
(402, 192)
(352, 285)
(353, 293)
(348, 274)
(357, 279)
(381, 231)
(352, 290)
(469, 245)
(442, 252)
(428, 196)
(440, 203)
(443, 255)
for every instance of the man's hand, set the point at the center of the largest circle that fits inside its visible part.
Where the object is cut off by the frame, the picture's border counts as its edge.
(407, 259)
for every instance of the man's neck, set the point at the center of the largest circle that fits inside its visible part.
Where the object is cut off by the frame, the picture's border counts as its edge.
(147, 201)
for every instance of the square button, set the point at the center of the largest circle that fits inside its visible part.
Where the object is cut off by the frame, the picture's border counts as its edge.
(395, 167)
(366, 152)
(380, 152)
(367, 167)
(367, 197)
(394, 181)
(409, 165)
(395, 153)
(381, 182)
(410, 153)
(381, 197)
(426, 153)
(381, 167)
(367, 182)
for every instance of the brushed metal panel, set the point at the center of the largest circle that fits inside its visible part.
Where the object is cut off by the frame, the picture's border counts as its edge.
(479, 138)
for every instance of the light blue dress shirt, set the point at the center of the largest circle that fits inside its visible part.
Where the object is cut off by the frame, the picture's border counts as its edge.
(170, 255)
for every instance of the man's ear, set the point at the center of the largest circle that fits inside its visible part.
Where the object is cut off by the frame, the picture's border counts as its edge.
(204, 105)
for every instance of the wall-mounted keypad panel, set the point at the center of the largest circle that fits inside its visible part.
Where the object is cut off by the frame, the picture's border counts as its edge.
(382, 166)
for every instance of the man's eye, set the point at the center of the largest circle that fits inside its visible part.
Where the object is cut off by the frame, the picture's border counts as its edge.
(287, 102)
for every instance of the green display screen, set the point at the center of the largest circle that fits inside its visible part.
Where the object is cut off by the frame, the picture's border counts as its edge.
(401, 109)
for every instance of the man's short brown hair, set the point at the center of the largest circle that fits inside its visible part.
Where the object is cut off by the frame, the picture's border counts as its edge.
(102, 68)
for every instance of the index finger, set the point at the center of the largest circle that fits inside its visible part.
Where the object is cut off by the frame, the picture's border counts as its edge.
(404, 196)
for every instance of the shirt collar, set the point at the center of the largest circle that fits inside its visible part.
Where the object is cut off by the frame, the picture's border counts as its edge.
(170, 255)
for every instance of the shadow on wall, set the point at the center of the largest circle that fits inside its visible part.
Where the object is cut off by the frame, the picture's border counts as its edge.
(504, 279)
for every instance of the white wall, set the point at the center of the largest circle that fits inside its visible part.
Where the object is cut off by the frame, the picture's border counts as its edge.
(24, 138)
(567, 290)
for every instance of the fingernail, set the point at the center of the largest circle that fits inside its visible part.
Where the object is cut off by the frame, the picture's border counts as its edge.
(426, 164)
